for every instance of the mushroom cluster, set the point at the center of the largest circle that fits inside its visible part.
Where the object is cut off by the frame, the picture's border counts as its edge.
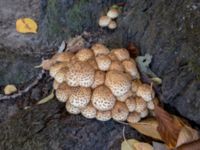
(100, 83)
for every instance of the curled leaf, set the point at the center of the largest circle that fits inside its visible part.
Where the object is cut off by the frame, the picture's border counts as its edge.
(9, 89)
(26, 25)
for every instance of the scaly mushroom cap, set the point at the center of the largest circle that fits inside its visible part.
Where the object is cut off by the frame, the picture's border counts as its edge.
(63, 92)
(84, 54)
(116, 65)
(55, 84)
(112, 25)
(99, 79)
(133, 117)
(80, 74)
(61, 75)
(120, 111)
(55, 68)
(150, 105)
(104, 21)
(46, 64)
(113, 13)
(103, 62)
(80, 98)
(71, 109)
(103, 115)
(131, 68)
(121, 54)
(131, 104)
(140, 104)
(144, 113)
(89, 111)
(100, 49)
(63, 57)
(93, 63)
(117, 82)
(125, 96)
(102, 98)
(135, 84)
(146, 92)
(112, 57)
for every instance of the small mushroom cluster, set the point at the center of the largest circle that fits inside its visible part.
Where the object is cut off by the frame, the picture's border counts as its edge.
(109, 19)
(100, 83)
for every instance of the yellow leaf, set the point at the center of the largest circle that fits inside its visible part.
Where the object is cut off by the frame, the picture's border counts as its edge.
(26, 25)
(148, 127)
(142, 146)
(9, 89)
(133, 144)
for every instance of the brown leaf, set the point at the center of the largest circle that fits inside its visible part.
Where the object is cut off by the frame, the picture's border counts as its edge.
(148, 127)
(195, 145)
(133, 50)
(169, 126)
(133, 144)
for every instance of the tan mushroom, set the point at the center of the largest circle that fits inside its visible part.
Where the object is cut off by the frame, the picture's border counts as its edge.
(103, 115)
(93, 63)
(55, 68)
(135, 84)
(103, 62)
(46, 64)
(63, 92)
(84, 54)
(146, 92)
(112, 57)
(131, 68)
(99, 79)
(133, 117)
(140, 104)
(104, 21)
(117, 82)
(116, 65)
(89, 111)
(102, 98)
(112, 25)
(150, 105)
(63, 57)
(55, 84)
(100, 49)
(80, 98)
(71, 109)
(113, 13)
(125, 96)
(120, 111)
(121, 54)
(131, 104)
(61, 75)
(144, 113)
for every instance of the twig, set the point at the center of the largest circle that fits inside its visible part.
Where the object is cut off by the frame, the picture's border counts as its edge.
(21, 92)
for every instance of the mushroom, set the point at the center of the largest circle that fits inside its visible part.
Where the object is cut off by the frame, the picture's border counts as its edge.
(61, 75)
(100, 49)
(103, 62)
(84, 54)
(113, 13)
(89, 111)
(55, 84)
(63, 92)
(112, 56)
(81, 97)
(125, 96)
(131, 68)
(135, 84)
(133, 117)
(93, 63)
(146, 92)
(117, 82)
(63, 57)
(102, 98)
(46, 64)
(112, 25)
(140, 104)
(116, 65)
(55, 68)
(131, 104)
(144, 113)
(103, 115)
(71, 109)
(104, 21)
(121, 54)
(99, 79)
(120, 111)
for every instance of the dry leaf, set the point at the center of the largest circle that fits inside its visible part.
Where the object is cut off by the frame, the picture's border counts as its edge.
(142, 146)
(26, 25)
(186, 135)
(133, 144)
(9, 89)
(46, 99)
(148, 127)
(195, 145)
(169, 126)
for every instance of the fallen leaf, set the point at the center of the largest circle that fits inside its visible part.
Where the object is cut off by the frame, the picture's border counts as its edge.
(148, 127)
(26, 25)
(133, 50)
(9, 89)
(142, 146)
(186, 135)
(133, 144)
(46, 99)
(156, 80)
(195, 145)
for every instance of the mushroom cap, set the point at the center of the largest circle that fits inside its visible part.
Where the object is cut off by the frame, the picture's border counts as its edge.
(102, 98)
(55, 84)
(99, 79)
(103, 115)
(71, 109)
(55, 68)
(121, 54)
(112, 25)
(131, 68)
(93, 63)
(63, 92)
(84, 54)
(144, 113)
(125, 96)
(103, 62)
(63, 57)
(46, 64)
(89, 111)
(120, 111)
(100, 49)
(133, 117)
(80, 74)
(135, 84)
(146, 92)
(113, 13)
(117, 82)
(131, 104)
(116, 65)
(61, 75)
(112, 57)
(80, 98)
(104, 21)
(150, 105)
(140, 104)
